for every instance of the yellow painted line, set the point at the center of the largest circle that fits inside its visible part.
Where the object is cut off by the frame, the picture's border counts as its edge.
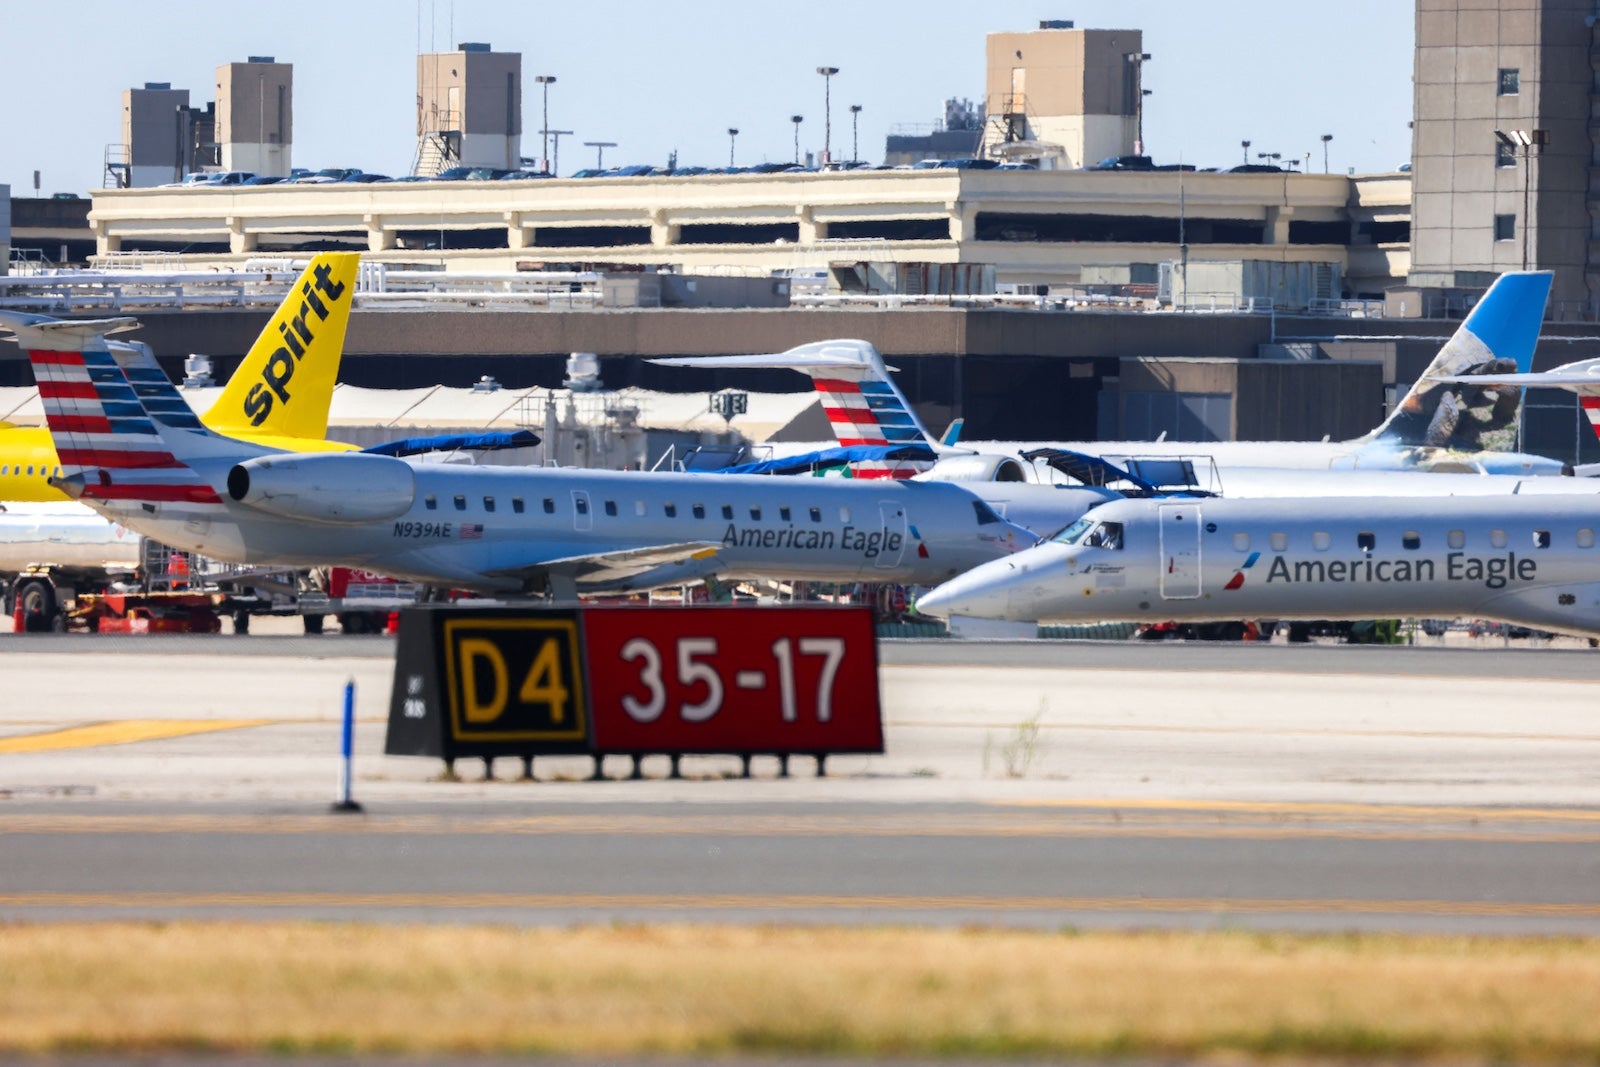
(801, 901)
(126, 732)
(1104, 824)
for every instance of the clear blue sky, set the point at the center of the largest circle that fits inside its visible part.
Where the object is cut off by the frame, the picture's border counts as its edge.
(664, 76)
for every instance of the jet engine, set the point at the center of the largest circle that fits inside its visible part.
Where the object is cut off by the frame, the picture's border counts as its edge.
(343, 488)
(979, 467)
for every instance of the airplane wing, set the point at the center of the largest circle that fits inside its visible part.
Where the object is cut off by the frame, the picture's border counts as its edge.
(697, 558)
(1579, 381)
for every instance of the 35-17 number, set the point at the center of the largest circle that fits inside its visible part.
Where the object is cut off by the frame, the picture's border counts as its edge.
(694, 670)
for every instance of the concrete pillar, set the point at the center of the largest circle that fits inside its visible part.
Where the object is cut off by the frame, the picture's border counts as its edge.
(519, 234)
(107, 242)
(811, 231)
(239, 240)
(662, 233)
(963, 221)
(1277, 227)
(379, 238)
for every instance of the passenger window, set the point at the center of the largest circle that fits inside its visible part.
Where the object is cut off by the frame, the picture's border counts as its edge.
(430, 502)
(671, 510)
(727, 511)
(755, 513)
(488, 503)
(1241, 542)
(550, 506)
(1585, 538)
(639, 508)
(1320, 541)
(1280, 542)
(816, 514)
(1541, 539)
(517, 504)
(581, 503)
(611, 507)
(1411, 539)
(844, 514)
(1456, 539)
(699, 511)
(30, 470)
(783, 513)
(1497, 538)
(1366, 541)
(460, 502)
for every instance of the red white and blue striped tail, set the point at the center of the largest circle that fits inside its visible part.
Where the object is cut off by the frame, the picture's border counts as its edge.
(108, 447)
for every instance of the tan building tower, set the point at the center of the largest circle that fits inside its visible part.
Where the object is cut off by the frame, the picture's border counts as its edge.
(154, 135)
(255, 116)
(469, 109)
(1502, 141)
(1065, 97)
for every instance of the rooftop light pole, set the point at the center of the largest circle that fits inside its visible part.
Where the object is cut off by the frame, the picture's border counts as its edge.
(855, 140)
(1246, 146)
(1137, 59)
(827, 111)
(1515, 139)
(599, 152)
(545, 81)
(1325, 139)
(556, 135)
(733, 133)
(797, 120)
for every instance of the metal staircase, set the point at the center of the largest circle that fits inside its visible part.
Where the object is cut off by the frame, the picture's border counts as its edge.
(438, 144)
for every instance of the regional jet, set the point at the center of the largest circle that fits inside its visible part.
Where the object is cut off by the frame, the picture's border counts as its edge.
(500, 530)
(1447, 422)
(1527, 560)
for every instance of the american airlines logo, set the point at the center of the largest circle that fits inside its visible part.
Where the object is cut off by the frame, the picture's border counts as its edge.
(1238, 576)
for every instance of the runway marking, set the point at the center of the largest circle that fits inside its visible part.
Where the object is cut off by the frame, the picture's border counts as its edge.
(800, 901)
(1112, 820)
(125, 732)
(1322, 809)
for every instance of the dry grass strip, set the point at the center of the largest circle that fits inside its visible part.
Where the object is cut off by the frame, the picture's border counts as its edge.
(696, 990)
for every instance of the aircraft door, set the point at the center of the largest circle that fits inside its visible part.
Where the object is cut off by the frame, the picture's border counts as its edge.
(582, 516)
(1180, 551)
(892, 518)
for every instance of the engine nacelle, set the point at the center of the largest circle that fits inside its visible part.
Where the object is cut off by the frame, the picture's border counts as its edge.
(343, 488)
(979, 467)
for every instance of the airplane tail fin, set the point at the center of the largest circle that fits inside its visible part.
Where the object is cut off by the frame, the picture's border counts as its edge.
(284, 385)
(1498, 336)
(108, 446)
(861, 401)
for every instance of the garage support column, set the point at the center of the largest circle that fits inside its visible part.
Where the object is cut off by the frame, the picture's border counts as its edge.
(811, 231)
(519, 234)
(1277, 228)
(663, 234)
(239, 241)
(379, 238)
(963, 221)
(104, 240)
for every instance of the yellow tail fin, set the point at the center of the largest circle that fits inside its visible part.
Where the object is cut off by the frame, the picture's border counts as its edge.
(284, 386)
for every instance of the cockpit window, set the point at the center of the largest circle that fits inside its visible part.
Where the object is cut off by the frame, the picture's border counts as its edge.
(986, 514)
(1072, 533)
(1105, 535)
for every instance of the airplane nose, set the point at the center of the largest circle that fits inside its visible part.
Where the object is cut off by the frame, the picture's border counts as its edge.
(981, 593)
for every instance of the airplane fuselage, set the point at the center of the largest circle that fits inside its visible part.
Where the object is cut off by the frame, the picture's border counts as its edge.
(1528, 560)
(486, 527)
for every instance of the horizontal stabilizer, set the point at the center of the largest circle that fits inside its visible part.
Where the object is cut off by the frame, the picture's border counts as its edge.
(459, 442)
(43, 333)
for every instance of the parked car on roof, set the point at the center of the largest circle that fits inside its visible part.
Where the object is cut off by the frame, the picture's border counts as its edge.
(326, 176)
(362, 176)
(265, 179)
(1254, 168)
(1125, 163)
(524, 175)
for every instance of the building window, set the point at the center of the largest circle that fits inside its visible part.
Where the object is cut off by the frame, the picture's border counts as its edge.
(1505, 227)
(1509, 79)
(1505, 155)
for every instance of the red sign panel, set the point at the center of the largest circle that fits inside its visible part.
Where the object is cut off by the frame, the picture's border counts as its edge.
(728, 679)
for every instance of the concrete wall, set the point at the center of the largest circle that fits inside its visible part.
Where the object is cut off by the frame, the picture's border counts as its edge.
(151, 132)
(255, 116)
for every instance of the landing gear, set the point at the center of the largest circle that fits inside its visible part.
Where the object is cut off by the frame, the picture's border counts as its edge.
(39, 609)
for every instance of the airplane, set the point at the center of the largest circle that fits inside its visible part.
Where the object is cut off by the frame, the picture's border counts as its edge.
(1442, 424)
(257, 403)
(496, 530)
(1529, 561)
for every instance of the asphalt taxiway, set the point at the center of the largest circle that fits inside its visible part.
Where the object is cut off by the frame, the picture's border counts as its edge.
(1036, 783)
